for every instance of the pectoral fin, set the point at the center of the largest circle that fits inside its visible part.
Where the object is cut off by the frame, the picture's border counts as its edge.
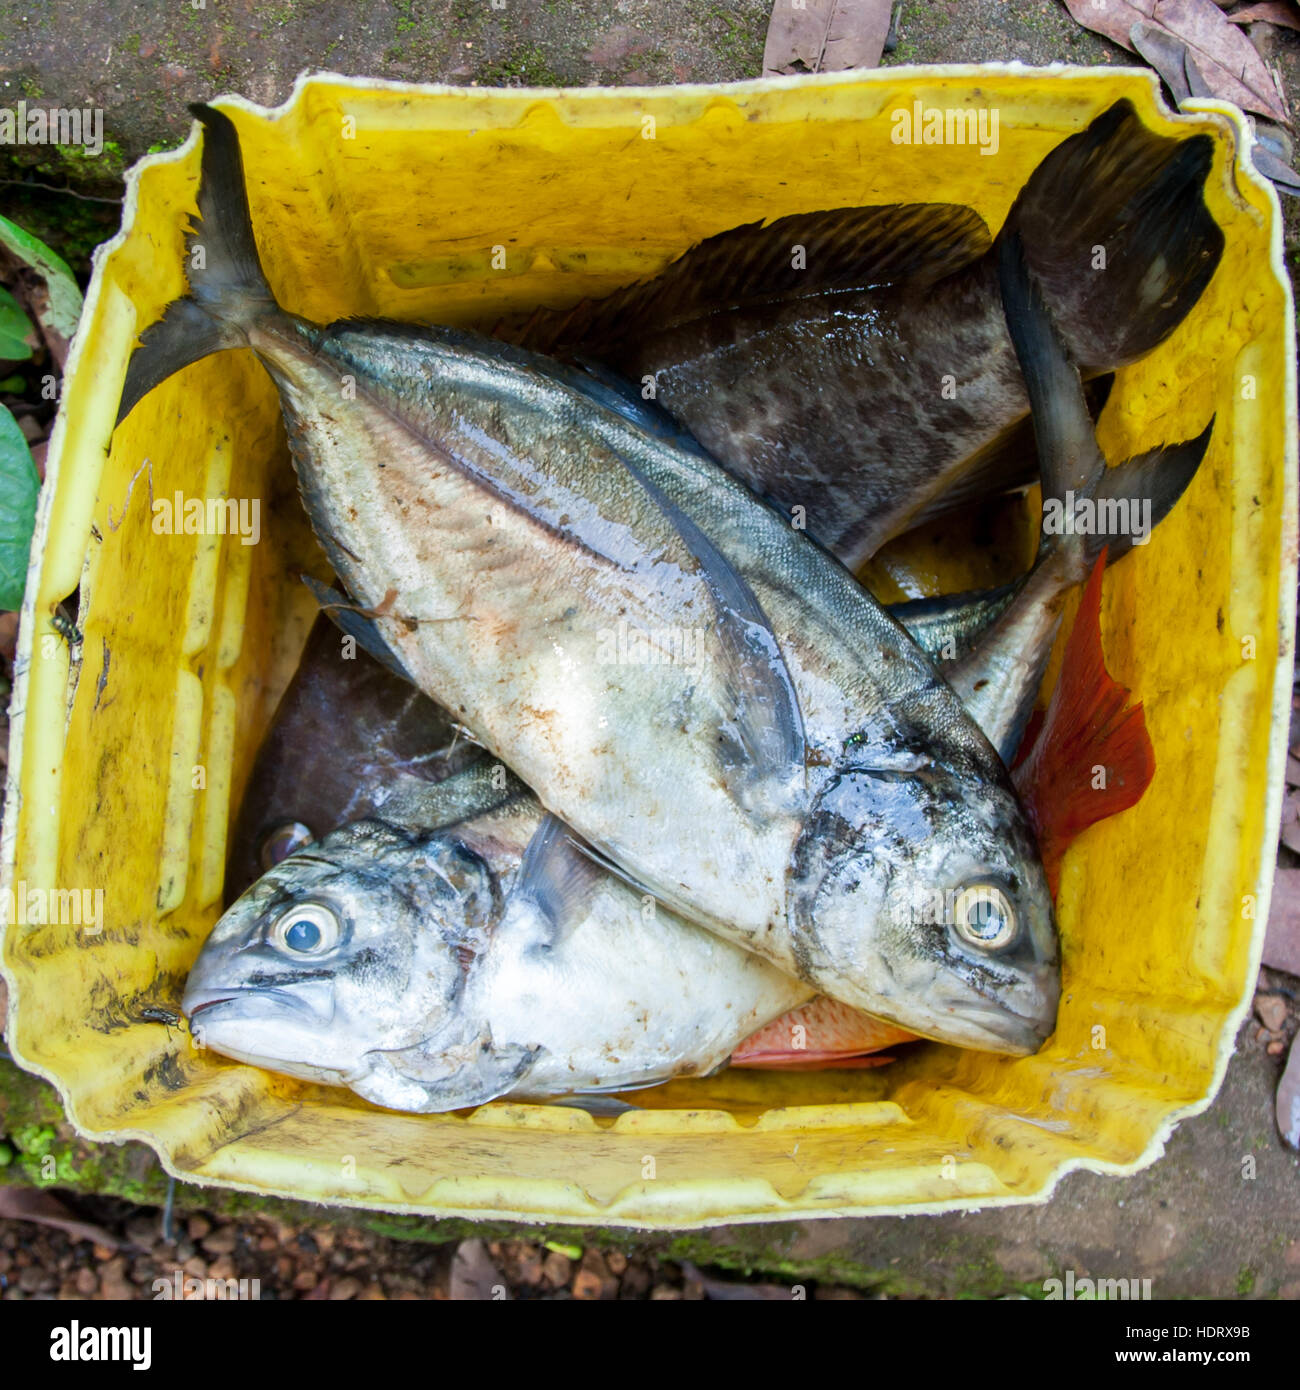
(425, 1080)
(557, 877)
(762, 743)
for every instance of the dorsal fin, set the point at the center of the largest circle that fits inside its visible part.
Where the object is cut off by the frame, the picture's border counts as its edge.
(843, 248)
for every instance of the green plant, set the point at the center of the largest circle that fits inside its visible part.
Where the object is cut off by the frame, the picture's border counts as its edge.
(15, 329)
(18, 488)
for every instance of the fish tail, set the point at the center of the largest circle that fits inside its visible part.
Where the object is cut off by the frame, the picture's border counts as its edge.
(1091, 757)
(228, 288)
(1088, 507)
(823, 1033)
(1117, 234)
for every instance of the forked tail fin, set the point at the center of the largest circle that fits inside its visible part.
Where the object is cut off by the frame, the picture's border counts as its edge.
(227, 286)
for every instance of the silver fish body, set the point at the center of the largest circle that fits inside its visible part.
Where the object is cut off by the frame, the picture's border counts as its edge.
(452, 967)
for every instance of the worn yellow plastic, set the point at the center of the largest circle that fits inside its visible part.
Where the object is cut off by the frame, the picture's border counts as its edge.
(130, 750)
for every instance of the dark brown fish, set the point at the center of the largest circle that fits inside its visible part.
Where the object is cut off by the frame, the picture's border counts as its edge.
(877, 385)
(346, 737)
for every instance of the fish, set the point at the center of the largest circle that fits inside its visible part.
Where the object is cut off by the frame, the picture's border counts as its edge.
(1089, 728)
(689, 1020)
(871, 383)
(507, 528)
(487, 958)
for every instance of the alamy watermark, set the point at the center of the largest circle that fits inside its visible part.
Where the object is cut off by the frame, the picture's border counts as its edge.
(1098, 516)
(76, 907)
(935, 125)
(627, 645)
(1098, 1290)
(209, 516)
(54, 125)
(182, 1287)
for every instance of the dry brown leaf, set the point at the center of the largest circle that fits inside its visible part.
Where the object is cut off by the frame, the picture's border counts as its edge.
(1282, 940)
(1167, 54)
(1269, 12)
(825, 35)
(1226, 58)
(474, 1275)
(1218, 59)
(32, 1204)
(1114, 19)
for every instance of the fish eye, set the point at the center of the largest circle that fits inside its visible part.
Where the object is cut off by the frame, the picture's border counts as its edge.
(283, 841)
(984, 917)
(309, 929)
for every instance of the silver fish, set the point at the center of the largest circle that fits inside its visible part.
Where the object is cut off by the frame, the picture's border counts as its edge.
(430, 970)
(804, 785)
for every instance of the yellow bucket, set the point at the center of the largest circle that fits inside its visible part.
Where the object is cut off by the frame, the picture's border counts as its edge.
(130, 747)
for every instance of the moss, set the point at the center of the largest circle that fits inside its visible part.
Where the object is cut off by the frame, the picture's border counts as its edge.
(524, 67)
(1245, 1281)
(132, 44)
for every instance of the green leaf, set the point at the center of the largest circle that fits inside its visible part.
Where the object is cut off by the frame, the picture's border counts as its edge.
(18, 488)
(13, 385)
(65, 298)
(14, 328)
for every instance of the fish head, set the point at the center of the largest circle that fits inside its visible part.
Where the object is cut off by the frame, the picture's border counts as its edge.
(928, 882)
(349, 963)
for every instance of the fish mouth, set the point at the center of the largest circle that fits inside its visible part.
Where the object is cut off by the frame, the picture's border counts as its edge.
(1003, 1028)
(206, 1000)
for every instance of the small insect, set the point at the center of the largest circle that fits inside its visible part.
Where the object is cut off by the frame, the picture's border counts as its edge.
(65, 627)
(155, 1013)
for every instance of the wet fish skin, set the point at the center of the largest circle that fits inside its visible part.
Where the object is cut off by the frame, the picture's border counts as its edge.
(877, 387)
(498, 522)
(460, 976)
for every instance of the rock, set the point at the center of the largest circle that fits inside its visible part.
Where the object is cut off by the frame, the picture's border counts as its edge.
(221, 1241)
(197, 1227)
(86, 1281)
(1288, 1101)
(345, 1288)
(663, 1292)
(556, 1269)
(102, 1252)
(373, 1293)
(586, 1285)
(305, 1279)
(1271, 1011)
(1276, 1048)
(527, 1266)
(143, 1229)
(616, 1260)
(113, 1283)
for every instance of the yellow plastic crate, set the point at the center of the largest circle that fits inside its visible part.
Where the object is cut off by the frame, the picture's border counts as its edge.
(372, 198)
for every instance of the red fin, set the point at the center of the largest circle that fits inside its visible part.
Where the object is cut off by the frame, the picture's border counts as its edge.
(821, 1033)
(1087, 729)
